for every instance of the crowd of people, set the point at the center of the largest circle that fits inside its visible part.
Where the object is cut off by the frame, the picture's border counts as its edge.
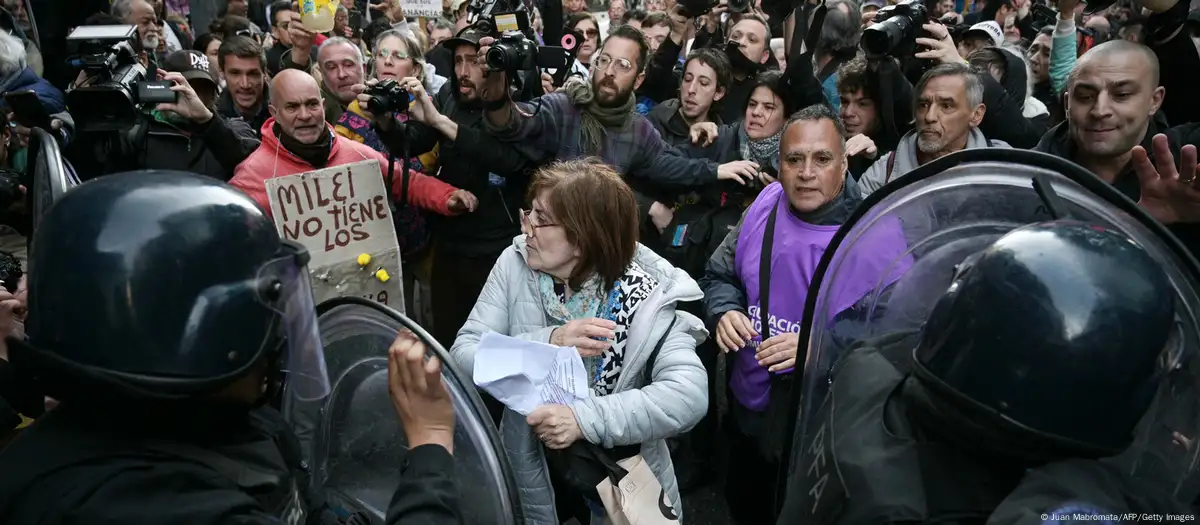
(662, 207)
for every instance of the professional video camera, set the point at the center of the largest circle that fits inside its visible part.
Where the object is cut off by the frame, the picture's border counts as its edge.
(515, 49)
(694, 8)
(388, 96)
(116, 84)
(896, 29)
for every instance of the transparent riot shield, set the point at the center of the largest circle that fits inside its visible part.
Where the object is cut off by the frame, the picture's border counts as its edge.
(48, 173)
(353, 438)
(947, 210)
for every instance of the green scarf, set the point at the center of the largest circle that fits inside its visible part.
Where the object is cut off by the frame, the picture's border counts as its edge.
(596, 119)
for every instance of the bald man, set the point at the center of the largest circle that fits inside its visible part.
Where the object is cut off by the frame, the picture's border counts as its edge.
(296, 139)
(1114, 129)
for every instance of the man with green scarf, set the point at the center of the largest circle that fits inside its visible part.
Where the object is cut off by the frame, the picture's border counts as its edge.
(598, 119)
(185, 135)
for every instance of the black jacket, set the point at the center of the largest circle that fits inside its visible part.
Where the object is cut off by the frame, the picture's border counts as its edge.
(671, 126)
(214, 149)
(496, 173)
(1004, 119)
(88, 466)
(1058, 142)
(1178, 60)
(226, 108)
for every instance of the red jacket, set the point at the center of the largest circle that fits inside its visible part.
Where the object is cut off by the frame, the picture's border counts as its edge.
(272, 160)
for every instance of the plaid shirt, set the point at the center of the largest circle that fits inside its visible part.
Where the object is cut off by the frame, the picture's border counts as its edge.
(553, 132)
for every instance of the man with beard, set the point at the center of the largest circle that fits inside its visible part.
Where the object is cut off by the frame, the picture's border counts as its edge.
(748, 50)
(1115, 130)
(141, 14)
(466, 246)
(296, 139)
(597, 119)
(947, 110)
(186, 135)
(245, 69)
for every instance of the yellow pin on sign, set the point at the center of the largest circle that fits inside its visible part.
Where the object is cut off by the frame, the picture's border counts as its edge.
(364, 259)
(382, 275)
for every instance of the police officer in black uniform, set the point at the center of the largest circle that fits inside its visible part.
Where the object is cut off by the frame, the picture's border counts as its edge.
(162, 309)
(1037, 362)
(1033, 357)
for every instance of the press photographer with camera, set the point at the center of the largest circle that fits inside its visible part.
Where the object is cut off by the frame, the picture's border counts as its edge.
(597, 119)
(186, 134)
(465, 246)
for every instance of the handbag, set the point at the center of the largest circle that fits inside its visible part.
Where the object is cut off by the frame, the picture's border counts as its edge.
(593, 470)
(774, 431)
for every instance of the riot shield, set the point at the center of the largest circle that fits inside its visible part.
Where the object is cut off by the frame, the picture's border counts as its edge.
(354, 440)
(48, 173)
(947, 210)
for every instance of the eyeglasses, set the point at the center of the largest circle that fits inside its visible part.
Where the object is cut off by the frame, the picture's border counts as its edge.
(533, 222)
(623, 65)
(591, 33)
(395, 55)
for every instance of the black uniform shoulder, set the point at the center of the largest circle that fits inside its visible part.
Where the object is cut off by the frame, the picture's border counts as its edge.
(133, 490)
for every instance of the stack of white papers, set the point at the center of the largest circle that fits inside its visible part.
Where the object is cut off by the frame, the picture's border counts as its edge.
(525, 375)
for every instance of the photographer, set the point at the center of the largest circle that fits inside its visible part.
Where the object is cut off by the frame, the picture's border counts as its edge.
(466, 246)
(597, 119)
(186, 135)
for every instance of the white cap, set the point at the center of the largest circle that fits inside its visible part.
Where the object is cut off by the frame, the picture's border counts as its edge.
(991, 29)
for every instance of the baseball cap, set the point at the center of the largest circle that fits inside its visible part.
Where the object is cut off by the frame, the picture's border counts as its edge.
(469, 35)
(990, 29)
(193, 65)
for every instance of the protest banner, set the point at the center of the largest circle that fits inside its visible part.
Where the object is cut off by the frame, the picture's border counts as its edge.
(423, 8)
(341, 215)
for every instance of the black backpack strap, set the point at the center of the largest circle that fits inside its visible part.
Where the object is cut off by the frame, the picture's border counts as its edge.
(764, 273)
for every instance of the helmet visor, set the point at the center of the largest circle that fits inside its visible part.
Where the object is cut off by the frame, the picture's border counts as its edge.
(289, 293)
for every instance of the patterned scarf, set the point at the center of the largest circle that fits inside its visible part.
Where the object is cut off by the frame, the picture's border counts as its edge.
(763, 151)
(618, 305)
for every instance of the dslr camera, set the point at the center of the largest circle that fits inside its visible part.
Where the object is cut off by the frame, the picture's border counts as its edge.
(896, 29)
(116, 87)
(388, 96)
(516, 49)
(694, 8)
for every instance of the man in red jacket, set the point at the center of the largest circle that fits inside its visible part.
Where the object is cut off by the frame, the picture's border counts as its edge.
(296, 139)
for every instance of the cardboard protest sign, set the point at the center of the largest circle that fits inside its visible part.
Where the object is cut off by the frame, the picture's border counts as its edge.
(341, 215)
(424, 8)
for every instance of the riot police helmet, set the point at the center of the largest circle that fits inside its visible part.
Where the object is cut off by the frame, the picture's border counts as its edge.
(1056, 330)
(167, 285)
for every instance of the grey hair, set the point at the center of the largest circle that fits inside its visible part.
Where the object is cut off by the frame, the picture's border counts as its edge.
(342, 41)
(817, 113)
(442, 23)
(410, 44)
(12, 54)
(342, 9)
(970, 78)
(123, 8)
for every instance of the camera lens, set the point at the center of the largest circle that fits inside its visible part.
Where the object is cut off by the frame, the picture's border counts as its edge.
(497, 58)
(739, 6)
(881, 38)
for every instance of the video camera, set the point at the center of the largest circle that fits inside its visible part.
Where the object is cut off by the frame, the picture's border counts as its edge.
(116, 85)
(694, 8)
(516, 49)
(896, 29)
